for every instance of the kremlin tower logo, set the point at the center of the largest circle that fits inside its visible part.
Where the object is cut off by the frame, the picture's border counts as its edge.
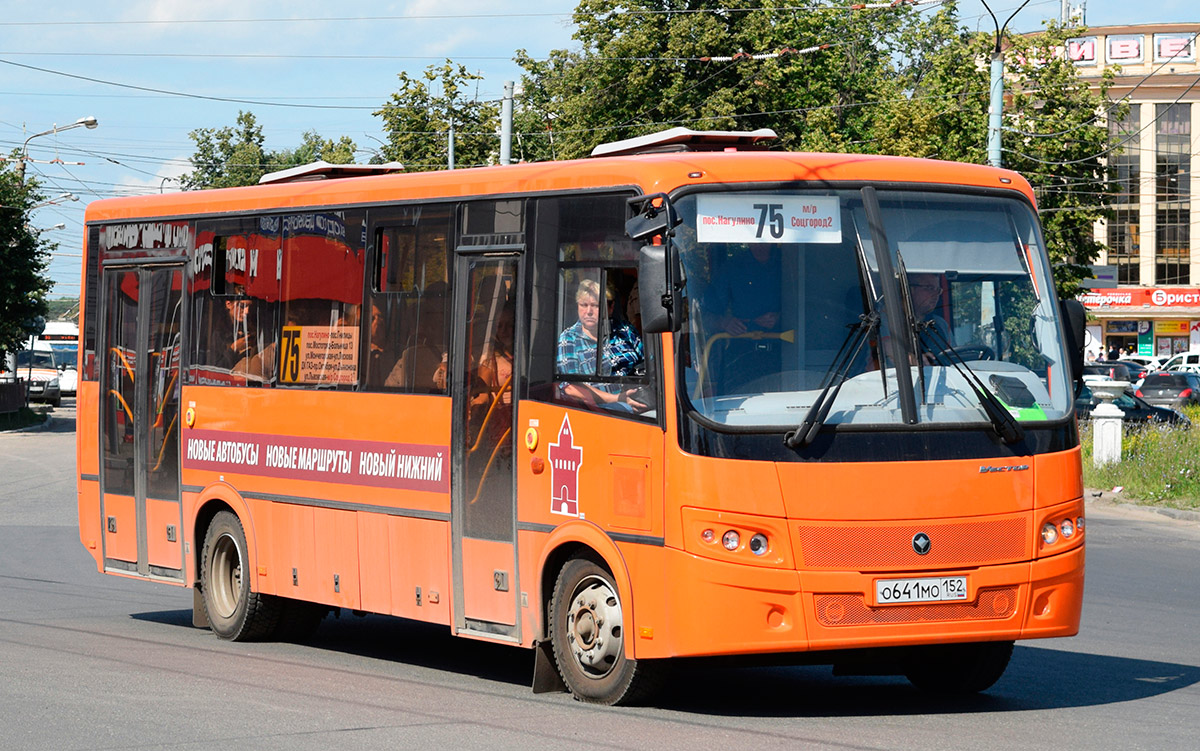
(565, 460)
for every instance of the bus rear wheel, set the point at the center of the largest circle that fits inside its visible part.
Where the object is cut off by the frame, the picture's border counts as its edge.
(234, 611)
(588, 626)
(951, 669)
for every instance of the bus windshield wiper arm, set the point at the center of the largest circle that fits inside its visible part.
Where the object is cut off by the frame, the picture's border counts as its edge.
(1005, 425)
(831, 384)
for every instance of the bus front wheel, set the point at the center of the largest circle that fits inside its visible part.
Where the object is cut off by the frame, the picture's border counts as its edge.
(958, 668)
(234, 611)
(588, 626)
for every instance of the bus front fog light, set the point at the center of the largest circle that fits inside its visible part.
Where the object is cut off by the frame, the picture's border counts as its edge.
(1068, 529)
(758, 544)
(1049, 533)
(731, 540)
(708, 535)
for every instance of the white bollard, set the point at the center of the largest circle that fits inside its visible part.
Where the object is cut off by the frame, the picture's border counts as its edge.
(1106, 422)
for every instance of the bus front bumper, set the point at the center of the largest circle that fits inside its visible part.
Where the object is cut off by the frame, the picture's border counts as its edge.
(718, 608)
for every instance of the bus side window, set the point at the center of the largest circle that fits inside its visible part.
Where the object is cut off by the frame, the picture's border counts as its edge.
(235, 294)
(408, 321)
(321, 299)
(585, 278)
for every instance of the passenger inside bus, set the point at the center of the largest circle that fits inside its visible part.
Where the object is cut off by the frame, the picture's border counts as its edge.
(496, 362)
(744, 302)
(417, 370)
(621, 355)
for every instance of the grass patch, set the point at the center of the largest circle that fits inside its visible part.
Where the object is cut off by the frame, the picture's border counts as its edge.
(1159, 465)
(22, 418)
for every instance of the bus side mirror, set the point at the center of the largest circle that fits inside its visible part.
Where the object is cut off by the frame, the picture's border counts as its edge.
(661, 301)
(1075, 326)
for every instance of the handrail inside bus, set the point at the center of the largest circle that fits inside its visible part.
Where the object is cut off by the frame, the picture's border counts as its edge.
(488, 467)
(124, 404)
(488, 416)
(163, 448)
(166, 395)
(787, 336)
(124, 362)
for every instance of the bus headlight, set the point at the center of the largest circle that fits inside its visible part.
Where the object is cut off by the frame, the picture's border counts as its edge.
(1049, 533)
(1068, 529)
(758, 544)
(731, 540)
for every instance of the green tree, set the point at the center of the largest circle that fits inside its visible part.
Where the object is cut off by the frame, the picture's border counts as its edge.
(236, 155)
(229, 156)
(645, 65)
(1056, 135)
(23, 261)
(314, 148)
(417, 119)
(942, 109)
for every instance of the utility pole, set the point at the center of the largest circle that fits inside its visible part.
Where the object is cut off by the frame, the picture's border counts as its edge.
(506, 116)
(996, 103)
(450, 156)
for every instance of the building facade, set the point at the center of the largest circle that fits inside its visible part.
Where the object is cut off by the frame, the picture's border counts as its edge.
(1155, 308)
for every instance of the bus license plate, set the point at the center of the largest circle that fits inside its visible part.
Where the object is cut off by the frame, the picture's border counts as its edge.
(941, 589)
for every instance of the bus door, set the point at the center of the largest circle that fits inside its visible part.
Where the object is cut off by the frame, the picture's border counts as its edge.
(141, 513)
(483, 388)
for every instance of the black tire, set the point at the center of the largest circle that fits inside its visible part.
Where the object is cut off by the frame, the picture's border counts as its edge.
(587, 630)
(234, 611)
(958, 669)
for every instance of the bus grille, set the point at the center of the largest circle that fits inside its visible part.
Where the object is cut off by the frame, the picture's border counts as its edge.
(874, 547)
(852, 610)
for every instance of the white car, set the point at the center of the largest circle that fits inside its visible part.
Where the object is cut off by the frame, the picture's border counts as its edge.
(68, 379)
(1186, 361)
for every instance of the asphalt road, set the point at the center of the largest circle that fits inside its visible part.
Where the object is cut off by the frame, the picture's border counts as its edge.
(89, 661)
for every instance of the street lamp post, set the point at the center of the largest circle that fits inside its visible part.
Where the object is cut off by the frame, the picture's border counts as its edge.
(88, 122)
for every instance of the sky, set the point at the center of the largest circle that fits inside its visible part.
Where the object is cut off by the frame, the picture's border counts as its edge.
(152, 71)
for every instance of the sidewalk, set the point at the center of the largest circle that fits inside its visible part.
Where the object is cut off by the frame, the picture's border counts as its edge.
(1109, 499)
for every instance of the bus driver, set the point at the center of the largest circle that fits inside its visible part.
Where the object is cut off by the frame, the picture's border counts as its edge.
(621, 355)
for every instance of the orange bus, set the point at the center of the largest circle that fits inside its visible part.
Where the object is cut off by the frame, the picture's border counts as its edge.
(689, 397)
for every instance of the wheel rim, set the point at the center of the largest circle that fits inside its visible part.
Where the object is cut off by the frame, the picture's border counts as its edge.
(226, 579)
(595, 627)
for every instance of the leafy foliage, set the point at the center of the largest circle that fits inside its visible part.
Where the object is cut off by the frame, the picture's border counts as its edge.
(235, 155)
(649, 64)
(1057, 136)
(23, 261)
(418, 118)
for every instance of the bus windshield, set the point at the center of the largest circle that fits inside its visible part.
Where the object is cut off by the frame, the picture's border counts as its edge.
(788, 304)
(40, 359)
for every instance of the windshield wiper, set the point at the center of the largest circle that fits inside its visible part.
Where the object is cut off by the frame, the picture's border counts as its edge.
(832, 382)
(1005, 425)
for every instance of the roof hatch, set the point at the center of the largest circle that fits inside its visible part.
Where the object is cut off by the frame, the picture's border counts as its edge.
(686, 139)
(326, 171)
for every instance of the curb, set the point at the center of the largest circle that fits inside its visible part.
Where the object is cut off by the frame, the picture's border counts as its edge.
(44, 425)
(1113, 500)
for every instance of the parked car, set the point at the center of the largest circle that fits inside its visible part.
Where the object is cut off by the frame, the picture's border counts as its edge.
(1108, 369)
(1186, 361)
(1146, 361)
(1137, 411)
(1173, 389)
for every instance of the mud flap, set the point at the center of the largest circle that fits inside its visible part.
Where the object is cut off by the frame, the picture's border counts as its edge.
(199, 609)
(546, 679)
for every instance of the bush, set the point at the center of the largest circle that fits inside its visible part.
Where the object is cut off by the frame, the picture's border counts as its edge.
(1159, 464)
